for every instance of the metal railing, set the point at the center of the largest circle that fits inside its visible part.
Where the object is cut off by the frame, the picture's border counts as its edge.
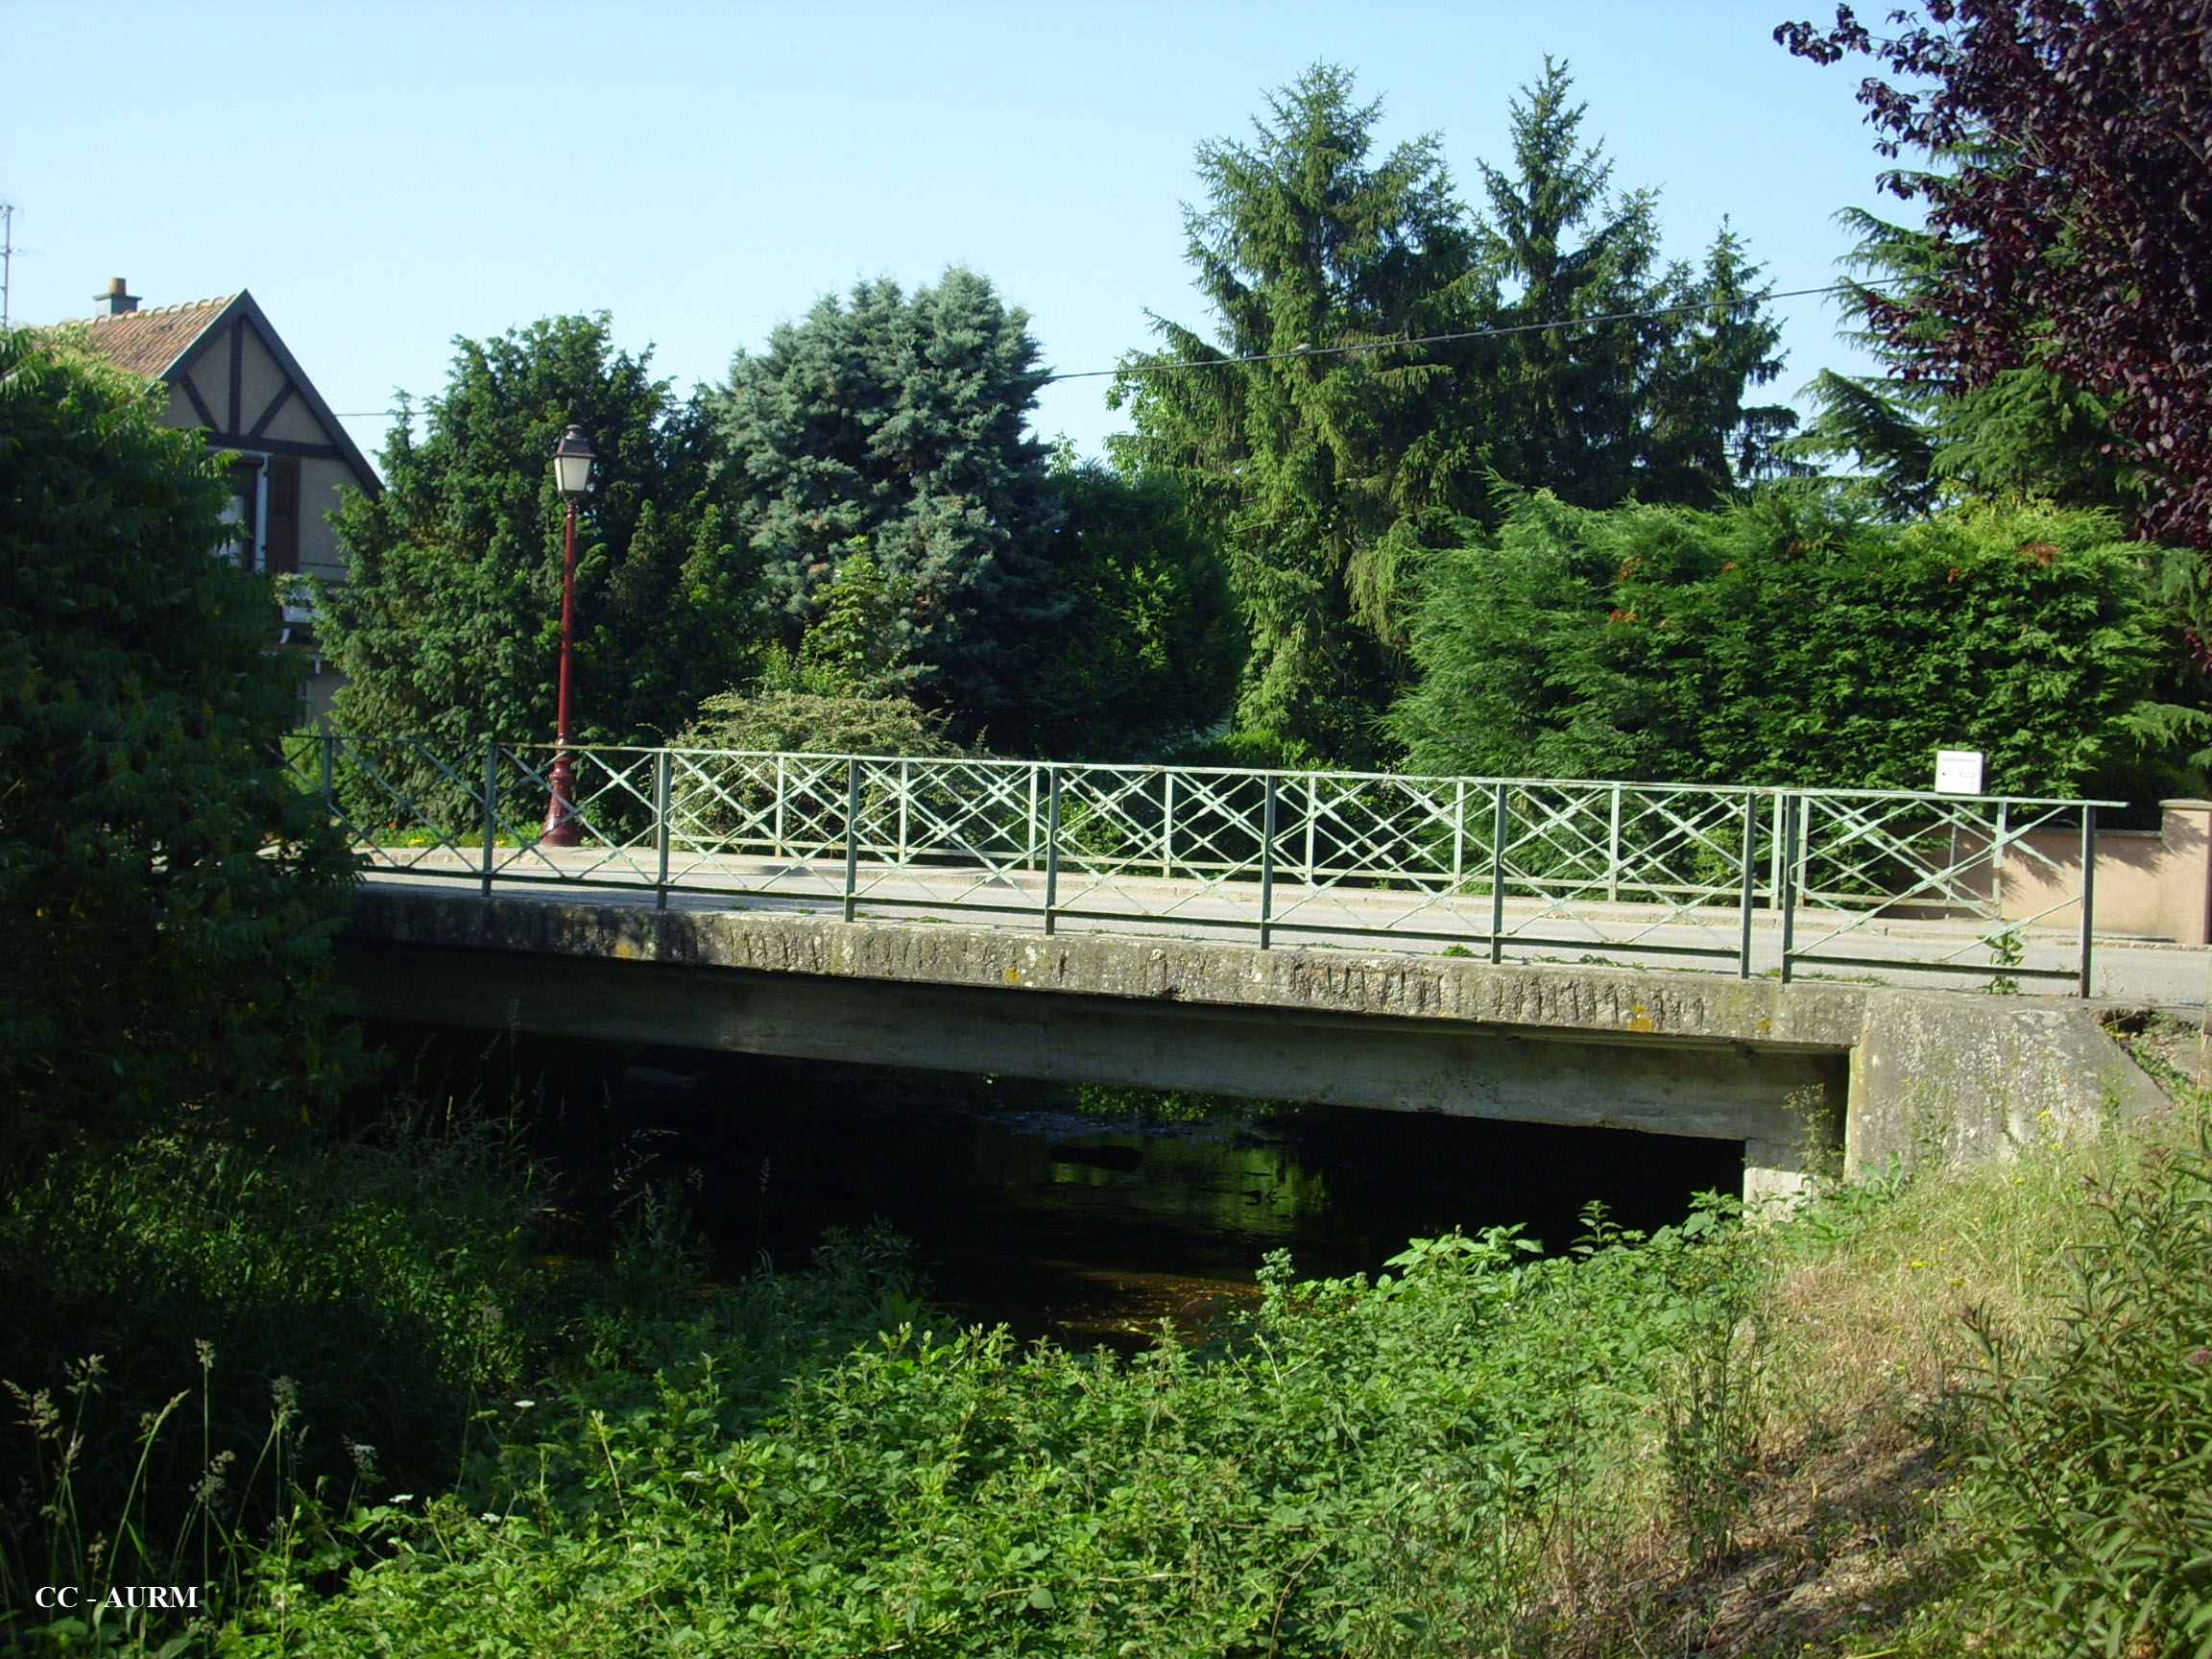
(1756, 879)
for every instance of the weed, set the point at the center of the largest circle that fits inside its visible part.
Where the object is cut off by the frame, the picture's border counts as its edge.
(1819, 1132)
(65, 1530)
(2007, 951)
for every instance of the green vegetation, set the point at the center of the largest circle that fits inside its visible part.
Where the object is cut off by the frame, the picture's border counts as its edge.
(1322, 543)
(1328, 474)
(449, 626)
(782, 719)
(1153, 642)
(893, 425)
(2065, 225)
(216, 1350)
(1917, 440)
(375, 1392)
(1789, 640)
(166, 897)
(1887, 1412)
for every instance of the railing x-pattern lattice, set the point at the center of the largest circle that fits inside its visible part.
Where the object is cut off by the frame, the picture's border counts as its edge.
(1758, 879)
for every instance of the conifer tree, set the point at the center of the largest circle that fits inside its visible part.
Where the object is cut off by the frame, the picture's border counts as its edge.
(1917, 438)
(1331, 463)
(2072, 227)
(1784, 639)
(1647, 400)
(1318, 473)
(896, 424)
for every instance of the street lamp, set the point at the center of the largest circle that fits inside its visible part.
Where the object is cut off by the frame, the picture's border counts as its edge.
(572, 472)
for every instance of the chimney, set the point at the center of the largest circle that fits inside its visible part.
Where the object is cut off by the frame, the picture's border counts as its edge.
(118, 299)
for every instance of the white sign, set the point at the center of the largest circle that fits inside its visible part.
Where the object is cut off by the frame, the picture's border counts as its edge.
(1957, 771)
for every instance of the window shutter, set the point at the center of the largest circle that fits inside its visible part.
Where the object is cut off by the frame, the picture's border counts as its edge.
(284, 540)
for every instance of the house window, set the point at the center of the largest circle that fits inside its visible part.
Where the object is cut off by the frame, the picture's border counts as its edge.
(243, 512)
(281, 545)
(264, 510)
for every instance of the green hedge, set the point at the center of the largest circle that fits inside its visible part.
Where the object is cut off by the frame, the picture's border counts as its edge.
(1787, 641)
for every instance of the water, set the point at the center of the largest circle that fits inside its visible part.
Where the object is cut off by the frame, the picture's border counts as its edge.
(1082, 1216)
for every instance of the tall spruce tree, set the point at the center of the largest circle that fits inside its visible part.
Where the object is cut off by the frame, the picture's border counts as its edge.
(1647, 400)
(1330, 457)
(449, 627)
(1321, 471)
(896, 424)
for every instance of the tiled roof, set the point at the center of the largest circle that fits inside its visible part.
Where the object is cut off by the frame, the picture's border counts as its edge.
(146, 342)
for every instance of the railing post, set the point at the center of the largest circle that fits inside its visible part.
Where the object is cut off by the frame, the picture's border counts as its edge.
(1497, 871)
(1029, 823)
(851, 834)
(1051, 843)
(661, 770)
(1313, 815)
(1267, 865)
(2088, 889)
(1792, 830)
(781, 853)
(1775, 856)
(490, 808)
(1748, 888)
(905, 793)
(1167, 824)
(1613, 852)
(1459, 836)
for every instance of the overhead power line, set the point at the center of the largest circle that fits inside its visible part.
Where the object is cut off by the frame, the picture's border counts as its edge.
(1300, 353)
(1310, 351)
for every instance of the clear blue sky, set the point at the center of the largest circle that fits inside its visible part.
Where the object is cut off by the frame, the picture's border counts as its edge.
(385, 176)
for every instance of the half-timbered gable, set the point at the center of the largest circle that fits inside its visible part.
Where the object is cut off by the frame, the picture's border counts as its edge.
(230, 376)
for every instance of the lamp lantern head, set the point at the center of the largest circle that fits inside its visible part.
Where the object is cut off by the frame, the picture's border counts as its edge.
(572, 463)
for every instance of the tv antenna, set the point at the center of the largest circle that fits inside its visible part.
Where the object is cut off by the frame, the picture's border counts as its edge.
(7, 256)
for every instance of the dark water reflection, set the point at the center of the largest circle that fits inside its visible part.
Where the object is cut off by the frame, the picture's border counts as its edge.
(1024, 1205)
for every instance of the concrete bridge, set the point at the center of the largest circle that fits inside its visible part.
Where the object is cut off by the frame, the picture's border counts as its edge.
(1797, 1073)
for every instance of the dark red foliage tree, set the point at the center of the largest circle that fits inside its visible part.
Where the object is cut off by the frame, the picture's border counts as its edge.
(2076, 209)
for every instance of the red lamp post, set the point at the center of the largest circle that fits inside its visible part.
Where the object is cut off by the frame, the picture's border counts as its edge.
(572, 472)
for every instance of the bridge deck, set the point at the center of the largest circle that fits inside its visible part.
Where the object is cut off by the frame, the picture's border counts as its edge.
(1887, 949)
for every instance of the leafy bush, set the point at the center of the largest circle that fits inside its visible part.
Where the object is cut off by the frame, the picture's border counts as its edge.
(782, 719)
(448, 626)
(166, 895)
(1364, 1468)
(1151, 645)
(211, 1347)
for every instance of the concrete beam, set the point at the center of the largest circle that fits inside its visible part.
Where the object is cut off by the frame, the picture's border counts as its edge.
(1668, 1086)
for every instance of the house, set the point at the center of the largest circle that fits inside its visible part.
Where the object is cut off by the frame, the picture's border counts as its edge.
(230, 376)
